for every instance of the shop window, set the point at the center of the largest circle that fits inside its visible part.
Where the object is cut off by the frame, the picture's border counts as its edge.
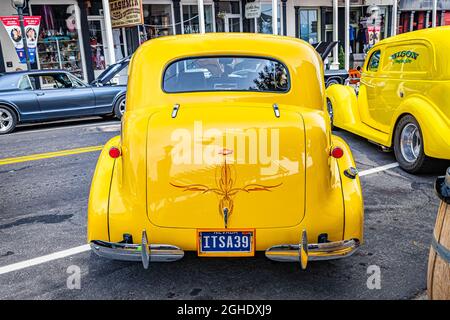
(308, 25)
(191, 19)
(232, 7)
(96, 41)
(374, 62)
(157, 20)
(58, 42)
(228, 18)
(93, 7)
(121, 48)
(445, 17)
(264, 22)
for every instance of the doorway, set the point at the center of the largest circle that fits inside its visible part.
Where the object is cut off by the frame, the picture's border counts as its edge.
(232, 22)
(98, 44)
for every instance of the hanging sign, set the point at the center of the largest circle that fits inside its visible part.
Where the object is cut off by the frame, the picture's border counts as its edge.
(12, 26)
(126, 13)
(253, 10)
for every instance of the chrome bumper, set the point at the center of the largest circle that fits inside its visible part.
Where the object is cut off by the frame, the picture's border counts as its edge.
(137, 252)
(301, 252)
(304, 252)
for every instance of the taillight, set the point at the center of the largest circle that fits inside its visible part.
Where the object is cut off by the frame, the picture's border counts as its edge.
(337, 152)
(114, 152)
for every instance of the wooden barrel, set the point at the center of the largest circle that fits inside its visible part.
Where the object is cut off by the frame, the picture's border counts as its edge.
(438, 281)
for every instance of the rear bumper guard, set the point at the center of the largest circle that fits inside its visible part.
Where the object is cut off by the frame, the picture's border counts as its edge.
(301, 252)
(137, 252)
(304, 251)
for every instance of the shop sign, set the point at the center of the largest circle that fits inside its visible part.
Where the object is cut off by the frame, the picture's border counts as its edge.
(126, 13)
(31, 24)
(253, 10)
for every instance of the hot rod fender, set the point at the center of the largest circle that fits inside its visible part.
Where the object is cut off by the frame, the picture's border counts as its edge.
(345, 105)
(351, 192)
(99, 196)
(435, 129)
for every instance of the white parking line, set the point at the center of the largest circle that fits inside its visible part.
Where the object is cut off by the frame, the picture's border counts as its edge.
(68, 127)
(86, 247)
(43, 259)
(378, 169)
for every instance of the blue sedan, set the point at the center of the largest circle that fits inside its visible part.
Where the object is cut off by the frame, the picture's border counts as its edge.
(41, 95)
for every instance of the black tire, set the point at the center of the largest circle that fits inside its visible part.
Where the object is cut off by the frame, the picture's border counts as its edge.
(332, 81)
(412, 159)
(8, 119)
(119, 107)
(331, 114)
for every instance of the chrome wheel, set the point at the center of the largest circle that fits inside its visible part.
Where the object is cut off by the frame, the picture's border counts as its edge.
(6, 120)
(122, 107)
(410, 142)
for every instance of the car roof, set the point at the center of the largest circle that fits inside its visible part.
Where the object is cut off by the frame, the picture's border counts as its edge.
(437, 39)
(437, 36)
(23, 72)
(151, 59)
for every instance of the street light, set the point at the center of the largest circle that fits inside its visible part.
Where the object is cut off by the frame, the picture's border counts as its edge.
(19, 5)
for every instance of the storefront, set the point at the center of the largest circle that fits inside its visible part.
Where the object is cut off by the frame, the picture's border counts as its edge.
(100, 54)
(73, 36)
(416, 15)
(59, 43)
(77, 35)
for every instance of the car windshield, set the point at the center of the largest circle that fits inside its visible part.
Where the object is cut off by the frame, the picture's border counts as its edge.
(226, 74)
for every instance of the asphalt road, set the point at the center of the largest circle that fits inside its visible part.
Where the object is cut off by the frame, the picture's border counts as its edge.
(43, 207)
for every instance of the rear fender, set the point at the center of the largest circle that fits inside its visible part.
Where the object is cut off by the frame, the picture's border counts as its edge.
(98, 206)
(13, 107)
(351, 192)
(435, 129)
(345, 105)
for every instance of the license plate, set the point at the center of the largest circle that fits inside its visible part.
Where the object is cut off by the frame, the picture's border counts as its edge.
(226, 243)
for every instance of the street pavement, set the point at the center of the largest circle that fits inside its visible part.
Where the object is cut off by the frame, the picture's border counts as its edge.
(43, 206)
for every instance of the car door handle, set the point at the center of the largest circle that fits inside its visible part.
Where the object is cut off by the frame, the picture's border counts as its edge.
(40, 93)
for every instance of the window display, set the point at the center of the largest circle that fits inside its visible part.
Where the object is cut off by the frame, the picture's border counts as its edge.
(308, 25)
(191, 19)
(157, 20)
(228, 17)
(58, 41)
(96, 43)
(264, 22)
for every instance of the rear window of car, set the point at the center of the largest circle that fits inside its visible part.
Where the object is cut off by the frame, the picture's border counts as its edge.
(226, 73)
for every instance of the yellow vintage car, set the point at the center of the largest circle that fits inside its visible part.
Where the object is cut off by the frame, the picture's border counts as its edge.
(226, 149)
(404, 99)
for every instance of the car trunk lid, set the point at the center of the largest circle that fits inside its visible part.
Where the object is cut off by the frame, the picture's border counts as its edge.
(242, 160)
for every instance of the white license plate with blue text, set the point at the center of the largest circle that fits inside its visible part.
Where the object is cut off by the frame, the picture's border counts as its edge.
(226, 243)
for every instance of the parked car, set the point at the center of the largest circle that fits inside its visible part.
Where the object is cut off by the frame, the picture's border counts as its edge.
(228, 161)
(331, 76)
(42, 95)
(404, 98)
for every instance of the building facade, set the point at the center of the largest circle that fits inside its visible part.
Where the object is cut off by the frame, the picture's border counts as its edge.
(76, 35)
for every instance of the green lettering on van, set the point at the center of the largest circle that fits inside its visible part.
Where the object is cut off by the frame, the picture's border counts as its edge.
(405, 56)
